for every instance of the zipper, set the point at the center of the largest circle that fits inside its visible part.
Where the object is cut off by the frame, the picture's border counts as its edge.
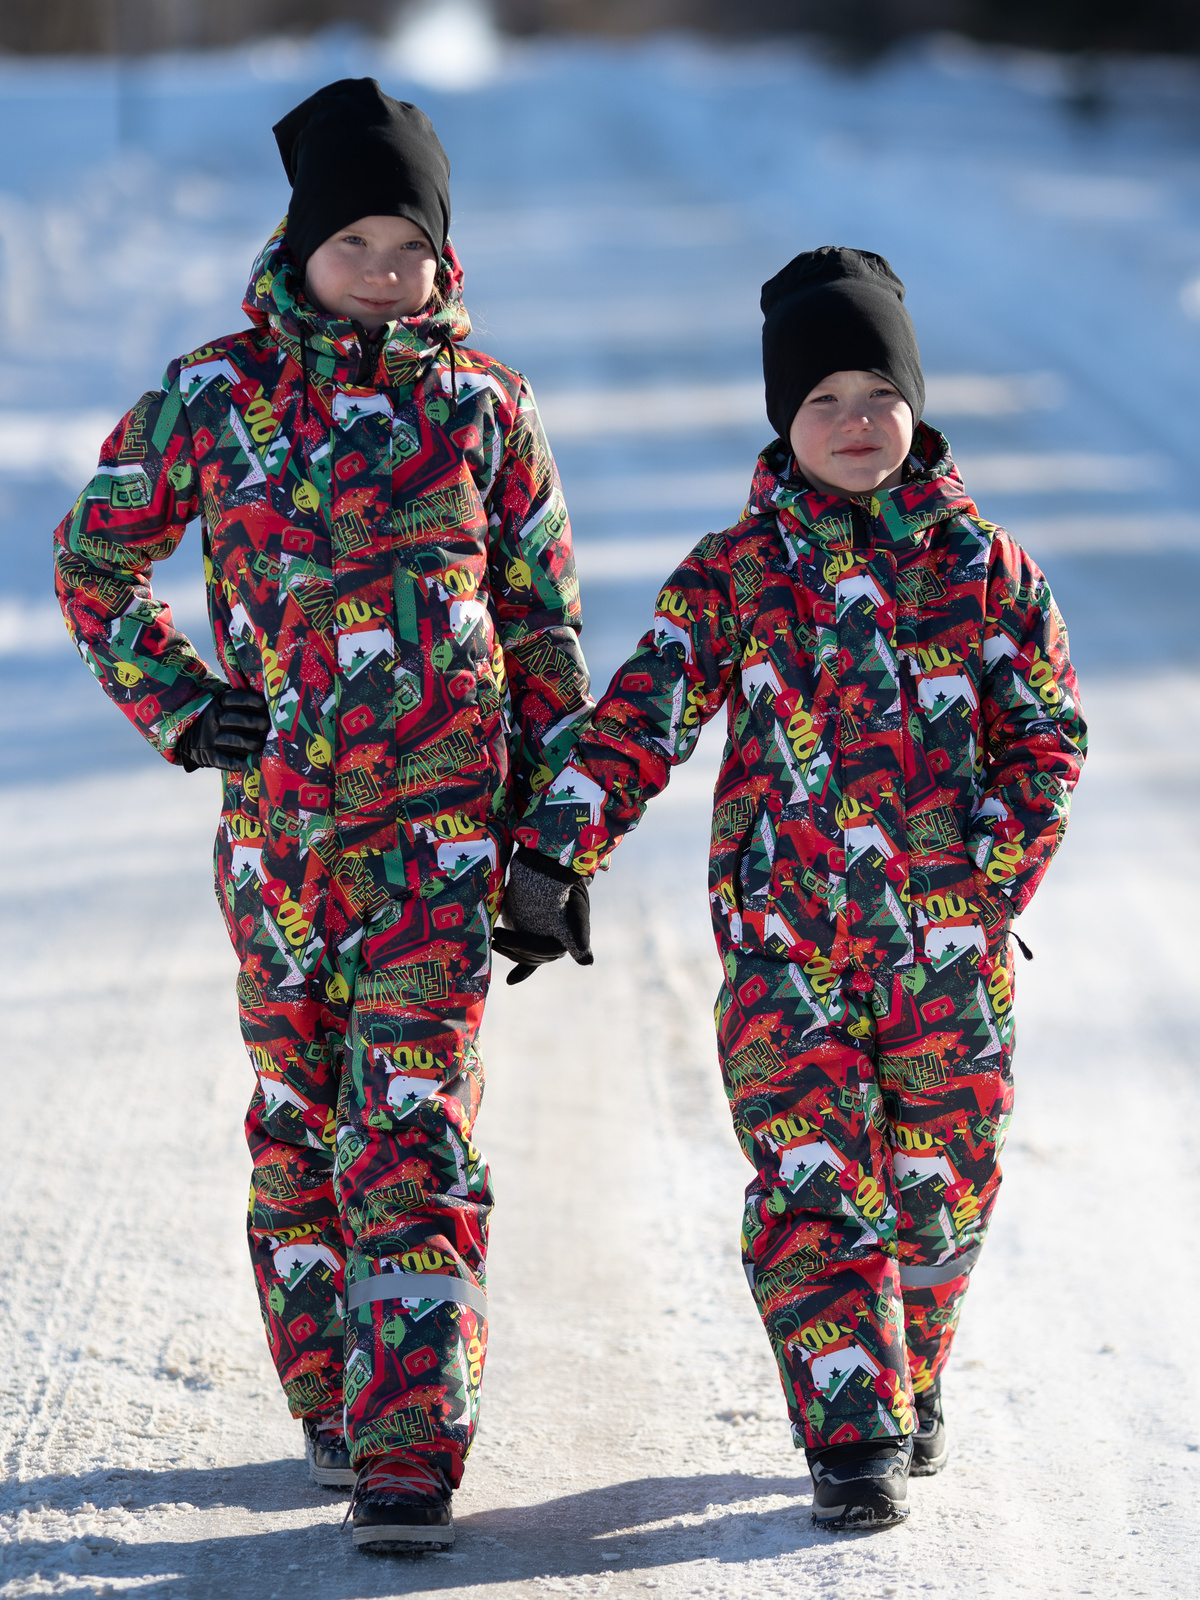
(370, 348)
(740, 856)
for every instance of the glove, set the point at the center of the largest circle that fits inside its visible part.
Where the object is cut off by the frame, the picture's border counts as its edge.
(233, 725)
(547, 909)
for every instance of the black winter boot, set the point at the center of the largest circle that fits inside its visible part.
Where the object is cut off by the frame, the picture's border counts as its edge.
(931, 1448)
(326, 1453)
(401, 1506)
(863, 1485)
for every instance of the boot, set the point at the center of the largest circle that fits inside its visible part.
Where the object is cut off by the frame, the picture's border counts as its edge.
(861, 1485)
(401, 1506)
(931, 1448)
(326, 1453)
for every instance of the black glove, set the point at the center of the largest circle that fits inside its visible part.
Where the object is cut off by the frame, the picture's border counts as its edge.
(546, 915)
(233, 725)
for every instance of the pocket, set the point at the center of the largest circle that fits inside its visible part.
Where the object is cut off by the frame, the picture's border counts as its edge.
(739, 862)
(996, 914)
(961, 913)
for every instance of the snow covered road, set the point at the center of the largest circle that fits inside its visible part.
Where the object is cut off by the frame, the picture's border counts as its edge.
(633, 1437)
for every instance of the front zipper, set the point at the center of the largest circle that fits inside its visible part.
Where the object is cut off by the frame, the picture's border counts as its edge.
(370, 347)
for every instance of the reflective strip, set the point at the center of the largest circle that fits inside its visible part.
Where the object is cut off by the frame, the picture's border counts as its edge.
(931, 1277)
(416, 1286)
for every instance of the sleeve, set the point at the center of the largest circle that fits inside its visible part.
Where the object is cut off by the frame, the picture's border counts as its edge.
(650, 719)
(133, 513)
(536, 593)
(1035, 735)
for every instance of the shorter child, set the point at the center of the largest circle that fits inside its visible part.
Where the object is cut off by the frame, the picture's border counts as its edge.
(904, 737)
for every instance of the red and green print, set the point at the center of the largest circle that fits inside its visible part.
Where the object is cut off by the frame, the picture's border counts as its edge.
(904, 737)
(904, 727)
(389, 561)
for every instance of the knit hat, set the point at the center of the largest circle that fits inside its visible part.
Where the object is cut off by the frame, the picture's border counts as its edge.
(835, 310)
(351, 151)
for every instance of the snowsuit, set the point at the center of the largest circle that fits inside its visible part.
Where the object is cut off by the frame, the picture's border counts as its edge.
(389, 561)
(904, 735)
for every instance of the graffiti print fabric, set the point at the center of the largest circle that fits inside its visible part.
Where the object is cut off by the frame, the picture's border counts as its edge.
(360, 1132)
(904, 728)
(874, 1122)
(389, 562)
(904, 736)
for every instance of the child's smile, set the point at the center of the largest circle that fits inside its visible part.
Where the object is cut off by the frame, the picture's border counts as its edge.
(377, 270)
(852, 434)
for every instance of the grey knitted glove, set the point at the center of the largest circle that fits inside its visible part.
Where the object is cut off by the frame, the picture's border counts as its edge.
(546, 914)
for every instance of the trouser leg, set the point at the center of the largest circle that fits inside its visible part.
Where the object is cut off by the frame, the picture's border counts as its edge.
(819, 1239)
(945, 1069)
(295, 1233)
(414, 1191)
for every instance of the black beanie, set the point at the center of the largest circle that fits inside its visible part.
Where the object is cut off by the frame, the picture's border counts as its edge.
(835, 310)
(351, 151)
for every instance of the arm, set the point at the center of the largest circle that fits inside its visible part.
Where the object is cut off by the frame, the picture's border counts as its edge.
(649, 720)
(133, 513)
(536, 594)
(1035, 736)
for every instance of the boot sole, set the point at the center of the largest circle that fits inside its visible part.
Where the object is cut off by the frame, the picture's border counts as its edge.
(927, 1469)
(838, 1518)
(332, 1477)
(403, 1540)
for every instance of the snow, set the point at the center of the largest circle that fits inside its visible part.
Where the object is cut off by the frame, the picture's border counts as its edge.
(616, 208)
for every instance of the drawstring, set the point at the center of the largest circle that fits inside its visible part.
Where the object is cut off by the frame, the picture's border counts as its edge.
(303, 378)
(1025, 950)
(446, 343)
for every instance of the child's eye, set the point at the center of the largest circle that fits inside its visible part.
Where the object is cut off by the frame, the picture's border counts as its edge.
(353, 238)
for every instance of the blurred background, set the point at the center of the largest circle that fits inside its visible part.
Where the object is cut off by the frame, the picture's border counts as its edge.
(626, 174)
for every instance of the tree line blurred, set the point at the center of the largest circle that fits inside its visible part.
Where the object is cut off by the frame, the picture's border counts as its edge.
(861, 28)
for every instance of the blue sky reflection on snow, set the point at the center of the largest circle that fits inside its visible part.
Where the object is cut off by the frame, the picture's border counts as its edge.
(617, 209)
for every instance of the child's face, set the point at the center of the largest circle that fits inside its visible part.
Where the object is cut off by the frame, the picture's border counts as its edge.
(376, 270)
(852, 434)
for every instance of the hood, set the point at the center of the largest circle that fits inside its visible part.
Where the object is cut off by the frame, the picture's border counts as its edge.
(275, 299)
(931, 492)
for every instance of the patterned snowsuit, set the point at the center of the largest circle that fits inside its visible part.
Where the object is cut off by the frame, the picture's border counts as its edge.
(904, 735)
(389, 561)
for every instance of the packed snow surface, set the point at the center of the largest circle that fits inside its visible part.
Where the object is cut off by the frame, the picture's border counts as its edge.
(616, 209)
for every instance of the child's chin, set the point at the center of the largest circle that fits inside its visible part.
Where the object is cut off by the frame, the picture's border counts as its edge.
(866, 485)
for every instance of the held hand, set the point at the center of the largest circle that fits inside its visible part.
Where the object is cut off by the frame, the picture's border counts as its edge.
(546, 915)
(233, 726)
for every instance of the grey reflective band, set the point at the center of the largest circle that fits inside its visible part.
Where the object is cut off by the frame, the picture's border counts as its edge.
(932, 1277)
(416, 1286)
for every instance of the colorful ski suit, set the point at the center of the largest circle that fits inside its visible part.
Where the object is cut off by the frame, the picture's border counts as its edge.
(389, 561)
(904, 736)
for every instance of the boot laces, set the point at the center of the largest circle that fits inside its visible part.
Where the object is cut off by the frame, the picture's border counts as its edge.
(397, 1480)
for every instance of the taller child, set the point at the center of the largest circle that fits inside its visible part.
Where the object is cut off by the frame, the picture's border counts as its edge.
(393, 598)
(904, 736)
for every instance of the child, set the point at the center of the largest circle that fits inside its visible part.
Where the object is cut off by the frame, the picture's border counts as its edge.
(393, 597)
(904, 736)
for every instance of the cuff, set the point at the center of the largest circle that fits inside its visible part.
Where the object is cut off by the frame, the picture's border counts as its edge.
(546, 865)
